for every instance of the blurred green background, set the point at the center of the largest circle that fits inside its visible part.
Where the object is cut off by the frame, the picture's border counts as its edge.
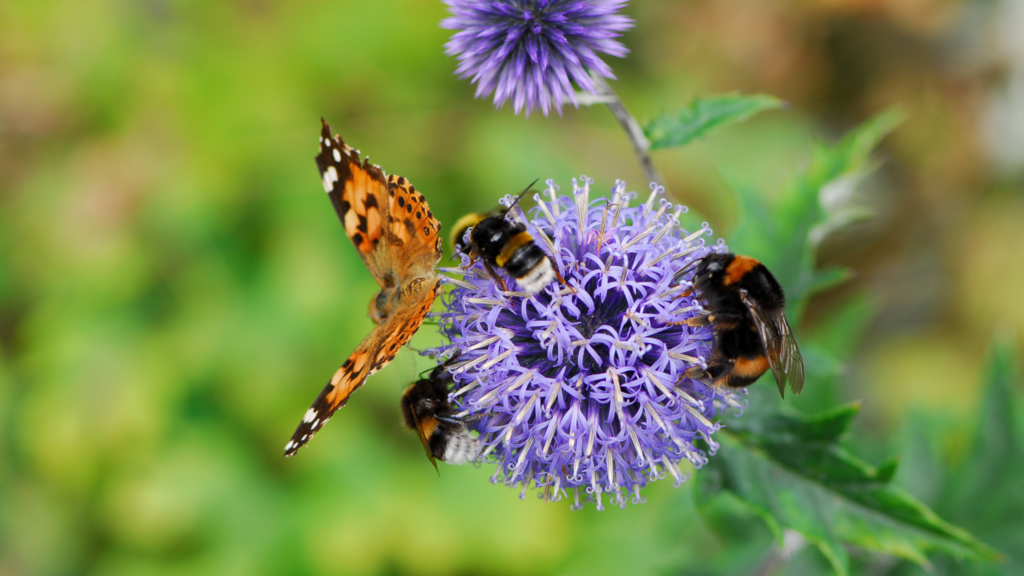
(175, 288)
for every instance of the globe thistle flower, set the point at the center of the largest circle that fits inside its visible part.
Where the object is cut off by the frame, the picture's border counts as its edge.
(582, 386)
(531, 51)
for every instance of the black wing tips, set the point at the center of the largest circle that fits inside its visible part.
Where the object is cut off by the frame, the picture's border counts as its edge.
(314, 419)
(333, 150)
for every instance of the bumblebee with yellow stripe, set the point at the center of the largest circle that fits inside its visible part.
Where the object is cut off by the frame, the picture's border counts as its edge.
(501, 243)
(745, 309)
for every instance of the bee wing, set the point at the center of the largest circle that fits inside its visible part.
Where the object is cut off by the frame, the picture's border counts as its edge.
(783, 354)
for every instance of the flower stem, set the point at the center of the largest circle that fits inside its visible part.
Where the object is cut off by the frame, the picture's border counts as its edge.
(641, 145)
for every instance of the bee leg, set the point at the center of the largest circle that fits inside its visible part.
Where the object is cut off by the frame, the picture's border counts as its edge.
(685, 293)
(449, 420)
(717, 369)
(494, 275)
(474, 417)
(727, 320)
(697, 373)
(696, 321)
(559, 276)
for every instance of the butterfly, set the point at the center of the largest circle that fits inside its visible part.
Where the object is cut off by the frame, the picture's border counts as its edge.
(397, 236)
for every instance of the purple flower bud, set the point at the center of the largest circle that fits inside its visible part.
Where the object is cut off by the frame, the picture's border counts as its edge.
(582, 386)
(532, 51)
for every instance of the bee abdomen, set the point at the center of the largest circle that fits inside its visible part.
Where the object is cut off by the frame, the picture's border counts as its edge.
(534, 279)
(516, 252)
(456, 448)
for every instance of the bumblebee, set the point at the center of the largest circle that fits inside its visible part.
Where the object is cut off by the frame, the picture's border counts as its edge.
(425, 409)
(501, 243)
(745, 309)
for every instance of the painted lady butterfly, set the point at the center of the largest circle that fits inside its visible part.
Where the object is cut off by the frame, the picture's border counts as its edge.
(397, 236)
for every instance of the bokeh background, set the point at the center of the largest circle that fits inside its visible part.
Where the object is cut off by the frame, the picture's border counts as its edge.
(175, 288)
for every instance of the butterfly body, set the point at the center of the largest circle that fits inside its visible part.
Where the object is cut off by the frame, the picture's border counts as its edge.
(397, 236)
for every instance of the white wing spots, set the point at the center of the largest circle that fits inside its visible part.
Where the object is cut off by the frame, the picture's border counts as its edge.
(310, 415)
(288, 447)
(315, 422)
(304, 436)
(330, 177)
(337, 155)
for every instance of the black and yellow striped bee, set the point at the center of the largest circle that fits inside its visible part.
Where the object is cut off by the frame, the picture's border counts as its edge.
(502, 243)
(426, 409)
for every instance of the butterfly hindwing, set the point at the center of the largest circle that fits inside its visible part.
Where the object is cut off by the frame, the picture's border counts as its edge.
(376, 351)
(411, 228)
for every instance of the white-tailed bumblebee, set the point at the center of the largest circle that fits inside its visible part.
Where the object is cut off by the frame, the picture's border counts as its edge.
(426, 409)
(745, 308)
(502, 243)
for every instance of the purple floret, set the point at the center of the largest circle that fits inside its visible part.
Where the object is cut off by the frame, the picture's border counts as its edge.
(585, 389)
(532, 51)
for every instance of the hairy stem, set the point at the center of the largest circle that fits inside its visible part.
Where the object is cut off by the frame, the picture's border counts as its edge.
(641, 146)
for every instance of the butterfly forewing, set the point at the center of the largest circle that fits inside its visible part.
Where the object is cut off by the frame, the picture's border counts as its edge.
(359, 193)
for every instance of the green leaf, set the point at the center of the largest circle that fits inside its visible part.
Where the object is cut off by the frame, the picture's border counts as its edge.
(828, 278)
(982, 491)
(704, 115)
(815, 204)
(790, 470)
(996, 441)
(842, 331)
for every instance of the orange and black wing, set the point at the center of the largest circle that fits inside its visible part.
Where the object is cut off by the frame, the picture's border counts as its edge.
(359, 193)
(783, 354)
(373, 353)
(387, 219)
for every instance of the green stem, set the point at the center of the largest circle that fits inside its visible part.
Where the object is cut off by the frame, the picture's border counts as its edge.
(641, 145)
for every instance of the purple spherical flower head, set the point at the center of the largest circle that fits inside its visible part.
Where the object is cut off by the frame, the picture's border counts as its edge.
(533, 50)
(583, 386)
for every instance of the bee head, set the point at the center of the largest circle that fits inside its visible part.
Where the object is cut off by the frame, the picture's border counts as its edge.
(459, 231)
(710, 270)
(490, 234)
(489, 229)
